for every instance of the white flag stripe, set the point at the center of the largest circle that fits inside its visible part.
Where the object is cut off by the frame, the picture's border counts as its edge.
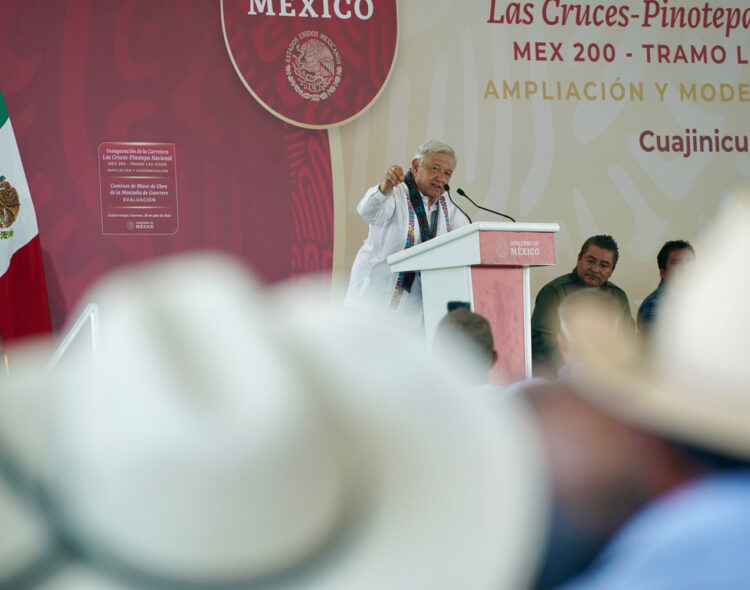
(25, 227)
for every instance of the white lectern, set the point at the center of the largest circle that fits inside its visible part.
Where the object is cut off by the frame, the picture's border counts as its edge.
(486, 264)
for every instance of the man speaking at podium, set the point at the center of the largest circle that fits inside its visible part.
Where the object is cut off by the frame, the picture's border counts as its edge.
(402, 211)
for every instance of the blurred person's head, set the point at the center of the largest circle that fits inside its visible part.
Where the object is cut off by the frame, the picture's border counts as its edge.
(597, 260)
(463, 328)
(586, 315)
(635, 427)
(603, 469)
(222, 436)
(673, 256)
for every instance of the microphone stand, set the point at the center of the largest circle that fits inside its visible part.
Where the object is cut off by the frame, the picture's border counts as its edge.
(448, 190)
(461, 192)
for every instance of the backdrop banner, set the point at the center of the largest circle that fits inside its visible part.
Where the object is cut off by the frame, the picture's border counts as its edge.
(315, 64)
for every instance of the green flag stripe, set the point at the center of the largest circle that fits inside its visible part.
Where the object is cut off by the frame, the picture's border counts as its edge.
(3, 111)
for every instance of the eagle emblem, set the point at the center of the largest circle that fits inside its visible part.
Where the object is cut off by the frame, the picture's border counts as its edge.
(9, 206)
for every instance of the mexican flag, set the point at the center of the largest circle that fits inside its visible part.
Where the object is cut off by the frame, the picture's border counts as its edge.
(24, 309)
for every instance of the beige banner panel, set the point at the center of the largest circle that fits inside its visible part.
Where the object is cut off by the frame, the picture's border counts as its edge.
(627, 119)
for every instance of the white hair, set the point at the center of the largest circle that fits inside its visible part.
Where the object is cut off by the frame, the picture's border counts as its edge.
(433, 146)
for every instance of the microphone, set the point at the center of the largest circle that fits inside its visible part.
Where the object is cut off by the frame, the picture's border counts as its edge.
(448, 190)
(461, 192)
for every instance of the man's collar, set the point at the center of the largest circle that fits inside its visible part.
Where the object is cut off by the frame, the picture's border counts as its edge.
(578, 279)
(427, 199)
(575, 276)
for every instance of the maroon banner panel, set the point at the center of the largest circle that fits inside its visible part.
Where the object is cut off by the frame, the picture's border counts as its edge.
(519, 248)
(312, 63)
(139, 141)
(498, 296)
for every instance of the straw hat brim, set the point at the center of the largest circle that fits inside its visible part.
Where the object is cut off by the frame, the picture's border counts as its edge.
(445, 487)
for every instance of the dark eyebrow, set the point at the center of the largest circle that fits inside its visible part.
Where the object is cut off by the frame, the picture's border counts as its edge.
(593, 258)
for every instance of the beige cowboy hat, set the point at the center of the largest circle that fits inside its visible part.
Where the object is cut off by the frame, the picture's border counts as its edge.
(224, 436)
(692, 381)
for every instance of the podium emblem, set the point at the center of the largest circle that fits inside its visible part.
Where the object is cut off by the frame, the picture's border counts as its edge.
(502, 249)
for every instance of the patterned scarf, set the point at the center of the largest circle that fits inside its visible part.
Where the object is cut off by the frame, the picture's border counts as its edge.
(406, 279)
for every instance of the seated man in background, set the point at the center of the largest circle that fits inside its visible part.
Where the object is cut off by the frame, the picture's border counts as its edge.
(596, 263)
(673, 256)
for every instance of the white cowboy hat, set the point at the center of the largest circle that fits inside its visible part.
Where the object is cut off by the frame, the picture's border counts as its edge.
(692, 382)
(223, 437)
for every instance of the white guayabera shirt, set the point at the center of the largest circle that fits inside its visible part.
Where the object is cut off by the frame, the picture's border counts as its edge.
(372, 284)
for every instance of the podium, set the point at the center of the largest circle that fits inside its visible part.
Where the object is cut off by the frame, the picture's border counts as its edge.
(487, 265)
